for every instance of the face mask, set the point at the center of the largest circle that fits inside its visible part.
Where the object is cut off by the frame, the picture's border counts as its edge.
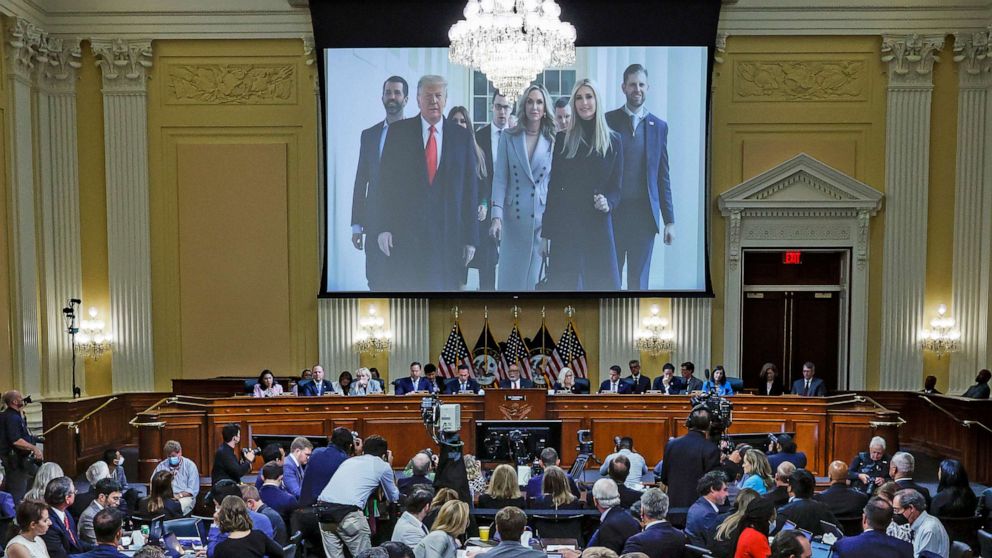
(900, 519)
(174, 460)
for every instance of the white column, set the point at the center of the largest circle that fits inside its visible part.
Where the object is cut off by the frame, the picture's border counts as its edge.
(972, 208)
(58, 61)
(338, 321)
(907, 164)
(692, 325)
(409, 321)
(23, 40)
(618, 321)
(124, 64)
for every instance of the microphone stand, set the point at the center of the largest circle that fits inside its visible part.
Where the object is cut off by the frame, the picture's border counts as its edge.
(72, 328)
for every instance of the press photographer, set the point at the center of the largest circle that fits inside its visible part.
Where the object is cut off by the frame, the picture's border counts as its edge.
(227, 463)
(18, 449)
(870, 469)
(782, 448)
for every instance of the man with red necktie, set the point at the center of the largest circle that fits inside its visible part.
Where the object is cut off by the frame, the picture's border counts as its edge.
(62, 539)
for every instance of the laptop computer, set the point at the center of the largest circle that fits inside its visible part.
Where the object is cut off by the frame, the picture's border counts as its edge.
(822, 550)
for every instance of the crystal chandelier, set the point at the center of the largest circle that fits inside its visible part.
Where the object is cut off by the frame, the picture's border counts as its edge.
(654, 337)
(942, 337)
(371, 337)
(512, 41)
(91, 341)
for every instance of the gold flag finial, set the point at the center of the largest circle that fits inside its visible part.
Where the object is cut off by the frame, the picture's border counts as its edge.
(569, 311)
(516, 311)
(456, 312)
(485, 312)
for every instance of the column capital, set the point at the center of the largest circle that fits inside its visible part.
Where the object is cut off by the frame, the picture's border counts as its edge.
(309, 49)
(911, 58)
(58, 59)
(973, 52)
(23, 41)
(123, 62)
(720, 47)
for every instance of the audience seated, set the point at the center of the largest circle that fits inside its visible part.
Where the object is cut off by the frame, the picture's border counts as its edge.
(616, 525)
(62, 538)
(108, 495)
(901, 469)
(410, 528)
(954, 498)
(619, 473)
(876, 517)
(504, 490)
(842, 500)
(510, 524)
(791, 544)
(273, 494)
(442, 541)
(556, 493)
(107, 526)
(779, 495)
(928, 533)
(241, 540)
(33, 522)
(753, 542)
(723, 541)
(549, 457)
(900, 530)
(254, 502)
(659, 539)
(703, 514)
(7, 508)
(782, 449)
(160, 499)
(870, 467)
(46, 472)
(185, 475)
(758, 472)
(216, 535)
(802, 509)
(94, 473)
(930, 386)
(476, 479)
(420, 467)
(638, 468)
(981, 388)
(441, 497)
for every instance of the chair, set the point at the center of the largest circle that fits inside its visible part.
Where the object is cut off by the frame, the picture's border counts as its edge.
(697, 551)
(736, 384)
(985, 543)
(289, 551)
(250, 385)
(960, 550)
(851, 526)
(962, 529)
(583, 384)
(183, 527)
(559, 527)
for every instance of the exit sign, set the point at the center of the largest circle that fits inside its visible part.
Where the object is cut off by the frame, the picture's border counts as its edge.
(792, 257)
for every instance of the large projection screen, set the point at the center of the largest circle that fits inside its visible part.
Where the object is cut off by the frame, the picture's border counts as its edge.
(630, 219)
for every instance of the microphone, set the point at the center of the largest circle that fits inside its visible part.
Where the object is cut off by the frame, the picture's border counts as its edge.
(706, 373)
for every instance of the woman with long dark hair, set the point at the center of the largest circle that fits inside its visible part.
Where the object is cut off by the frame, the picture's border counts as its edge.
(753, 542)
(160, 499)
(718, 382)
(267, 385)
(954, 498)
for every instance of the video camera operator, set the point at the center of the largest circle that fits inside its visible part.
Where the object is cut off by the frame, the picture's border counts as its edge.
(228, 464)
(688, 458)
(782, 448)
(870, 469)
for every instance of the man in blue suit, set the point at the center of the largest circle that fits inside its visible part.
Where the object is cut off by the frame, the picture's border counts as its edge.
(668, 383)
(62, 538)
(617, 524)
(704, 513)
(292, 467)
(639, 383)
(394, 96)
(659, 539)
(808, 385)
(107, 525)
(514, 381)
(874, 542)
(614, 384)
(414, 383)
(463, 383)
(427, 197)
(318, 385)
(646, 193)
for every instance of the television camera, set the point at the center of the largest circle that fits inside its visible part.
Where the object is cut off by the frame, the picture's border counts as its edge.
(442, 421)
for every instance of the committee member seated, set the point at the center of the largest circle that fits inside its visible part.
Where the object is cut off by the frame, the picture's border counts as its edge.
(510, 524)
(704, 514)
(108, 495)
(160, 499)
(343, 385)
(802, 509)
(954, 497)
(616, 525)
(659, 539)
(513, 379)
(254, 503)
(228, 464)
(614, 384)
(638, 468)
(504, 490)
(981, 388)
(410, 528)
(108, 528)
(638, 382)
(718, 383)
(62, 538)
(463, 382)
(809, 385)
(556, 494)
(770, 383)
(431, 375)
(870, 469)
(413, 384)
(782, 448)
(690, 382)
(842, 500)
(365, 384)
(901, 469)
(668, 383)
(267, 385)
(928, 532)
(566, 382)
(318, 385)
(875, 519)
(185, 475)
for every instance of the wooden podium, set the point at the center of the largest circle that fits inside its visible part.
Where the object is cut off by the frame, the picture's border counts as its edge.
(516, 404)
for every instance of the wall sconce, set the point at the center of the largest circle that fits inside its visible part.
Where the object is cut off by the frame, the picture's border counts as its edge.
(654, 337)
(371, 337)
(942, 337)
(92, 341)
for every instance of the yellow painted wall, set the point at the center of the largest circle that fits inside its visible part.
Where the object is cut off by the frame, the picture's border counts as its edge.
(6, 277)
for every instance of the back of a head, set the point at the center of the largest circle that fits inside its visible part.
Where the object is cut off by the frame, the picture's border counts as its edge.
(272, 452)
(249, 492)
(223, 489)
(98, 470)
(904, 463)
(549, 457)
(150, 551)
(421, 463)
(787, 545)
(271, 471)
(376, 445)
(418, 499)
(909, 497)
(654, 504)
(784, 471)
(786, 443)
(634, 555)
(802, 483)
(230, 431)
(878, 513)
(598, 552)
(397, 549)
(106, 524)
(342, 439)
(375, 552)
(713, 480)
(699, 419)
(838, 471)
(619, 468)
(510, 523)
(606, 493)
(626, 443)
(443, 495)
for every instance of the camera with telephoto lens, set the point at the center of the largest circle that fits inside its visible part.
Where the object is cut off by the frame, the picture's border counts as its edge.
(256, 451)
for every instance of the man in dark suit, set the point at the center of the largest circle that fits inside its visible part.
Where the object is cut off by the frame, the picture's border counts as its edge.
(614, 384)
(690, 382)
(808, 385)
(427, 197)
(62, 538)
(487, 137)
(668, 383)
(510, 524)
(272, 492)
(395, 92)
(659, 539)
(317, 385)
(803, 510)
(616, 525)
(638, 382)
(842, 500)
(514, 381)
(704, 512)
(420, 467)
(688, 458)
(619, 471)
(464, 383)
(981, 388)
(901, 469)
(415, 383)
(873, 541)
(780, 494)
(791, 544)
(549, 458)
(646, 192)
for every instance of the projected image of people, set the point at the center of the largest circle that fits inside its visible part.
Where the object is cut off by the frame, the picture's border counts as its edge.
(439, 183)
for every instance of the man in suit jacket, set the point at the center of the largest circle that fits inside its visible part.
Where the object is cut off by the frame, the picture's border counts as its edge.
(616, 525)
(614, 384)
(901, 468)
(108, 530)
(464, 383)
(873, 541)
(842, 500)
(108, 495)
(646, 192)
(805, 512)
(292, 467)
(688, 458)
(808, 385)
(62, 538)
(668, 383)
(317, 385)
(395, 92)
(514, 381)
(410, 528)
(272, 492)
(488, 139)
(981, 388)
(548, 458)
(780, 494)
(638, 382)
(414, 383)
(690, 382)
(427, 197)
(253, 500)
(420, 469)
(659, 539)
(510, 523)
(704, 512)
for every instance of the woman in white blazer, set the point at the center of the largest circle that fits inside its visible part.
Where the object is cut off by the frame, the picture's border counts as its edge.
(363, 384)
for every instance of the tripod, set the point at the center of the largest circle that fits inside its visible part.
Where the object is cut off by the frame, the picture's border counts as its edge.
(69, 313)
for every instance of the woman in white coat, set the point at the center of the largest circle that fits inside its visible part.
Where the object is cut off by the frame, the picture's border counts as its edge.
(520, 191)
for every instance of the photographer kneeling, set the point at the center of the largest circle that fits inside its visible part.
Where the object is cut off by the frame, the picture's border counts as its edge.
(782, 448)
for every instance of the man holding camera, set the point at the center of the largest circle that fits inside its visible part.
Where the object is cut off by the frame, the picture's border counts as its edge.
(17, 446)
(227, 463)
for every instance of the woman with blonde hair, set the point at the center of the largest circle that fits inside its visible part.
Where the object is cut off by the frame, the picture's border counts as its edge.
(442, 541)
(758, 472)
(725, 540)
(363, 383)
(441, 497)
(557, 493)
(476, 480)
(566, 381)
(504, 490)
(586, 171)
(520, 190)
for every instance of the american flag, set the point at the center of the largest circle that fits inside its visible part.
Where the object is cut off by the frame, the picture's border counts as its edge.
(487, 354)
(455, 352)
(515, 353)
(570, 353)
(542, 346)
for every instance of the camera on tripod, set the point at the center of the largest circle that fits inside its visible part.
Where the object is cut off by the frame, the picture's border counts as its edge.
(441, 420)
(585, 442)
